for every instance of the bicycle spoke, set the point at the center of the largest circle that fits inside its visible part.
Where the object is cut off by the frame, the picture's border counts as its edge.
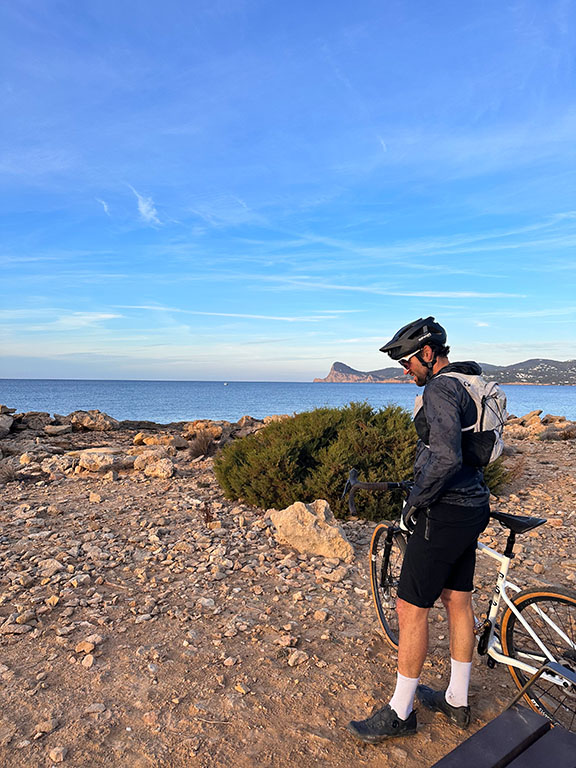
(550, 614)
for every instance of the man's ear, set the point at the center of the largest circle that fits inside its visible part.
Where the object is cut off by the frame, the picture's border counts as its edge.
(426, 353)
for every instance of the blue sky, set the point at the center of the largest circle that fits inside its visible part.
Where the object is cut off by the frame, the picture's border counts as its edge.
(253, 189)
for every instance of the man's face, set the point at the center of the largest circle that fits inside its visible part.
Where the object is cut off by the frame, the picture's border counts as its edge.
(414, 368)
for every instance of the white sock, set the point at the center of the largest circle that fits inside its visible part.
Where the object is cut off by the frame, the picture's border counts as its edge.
(457, 693)
(403, 698)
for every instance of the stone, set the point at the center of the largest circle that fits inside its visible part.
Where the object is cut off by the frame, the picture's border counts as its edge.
(46, 726)
(58, 754)
(173, 440)
(35, 420)
(162, 469)
(55, 430)
(150, 456)
(95, 709)
(92, 421)
(193, 428)
(311, 529)
(5, 424)
(84, 647)
(296, 658)
(94, 498)
(88, 661)
(49, 567)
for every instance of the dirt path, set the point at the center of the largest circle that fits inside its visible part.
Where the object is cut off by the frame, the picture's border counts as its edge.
(215, 647)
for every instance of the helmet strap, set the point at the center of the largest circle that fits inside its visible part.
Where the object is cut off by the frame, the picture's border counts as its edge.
(430, 365)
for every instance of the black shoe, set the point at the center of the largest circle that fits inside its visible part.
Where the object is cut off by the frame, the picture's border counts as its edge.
(381, 725)
(436, 701)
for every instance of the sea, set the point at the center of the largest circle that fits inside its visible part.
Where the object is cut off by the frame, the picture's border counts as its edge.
(167, 401)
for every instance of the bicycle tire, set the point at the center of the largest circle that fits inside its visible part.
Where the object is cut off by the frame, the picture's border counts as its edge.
(386, 556)
(558, 605)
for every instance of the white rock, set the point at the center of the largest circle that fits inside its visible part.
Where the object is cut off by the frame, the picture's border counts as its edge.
(311, 529)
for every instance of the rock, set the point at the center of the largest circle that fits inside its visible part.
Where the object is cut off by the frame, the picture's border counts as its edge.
(49, 567)
(46, 726)
(162, 469)
(173, 440)
(4, 409)
(92, 421)
(296, 658)
(206, 603)
(5, 424)
(54, 430)
(58, 754)
(96, 462)
(57, 464)
(214, 429)
(95, 709)
(84, 646)
(94, 498)
(311, 529)
(35, 420)
(150, 457)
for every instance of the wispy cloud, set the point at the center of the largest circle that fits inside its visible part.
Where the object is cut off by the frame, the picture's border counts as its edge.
(309, 284)
(285, 319)
(146, 208)
(104, 205)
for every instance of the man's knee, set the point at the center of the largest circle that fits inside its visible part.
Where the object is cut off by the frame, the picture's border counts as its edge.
(408, 613)
(456, 601)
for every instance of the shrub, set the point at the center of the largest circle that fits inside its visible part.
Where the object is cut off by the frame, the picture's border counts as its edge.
(497, 476)
(308, 457)
(7, 472)
(201, 445)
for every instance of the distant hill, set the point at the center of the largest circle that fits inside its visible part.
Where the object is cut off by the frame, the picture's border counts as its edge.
(535, 371)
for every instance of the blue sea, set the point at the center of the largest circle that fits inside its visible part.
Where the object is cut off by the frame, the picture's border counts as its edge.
(166, 401)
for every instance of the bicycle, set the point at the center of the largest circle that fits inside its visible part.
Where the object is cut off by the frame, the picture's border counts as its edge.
(536, 635)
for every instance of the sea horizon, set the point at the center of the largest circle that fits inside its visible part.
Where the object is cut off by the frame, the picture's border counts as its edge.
(171, 400)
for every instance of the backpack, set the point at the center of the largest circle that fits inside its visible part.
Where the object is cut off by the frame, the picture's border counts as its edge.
(482, 442)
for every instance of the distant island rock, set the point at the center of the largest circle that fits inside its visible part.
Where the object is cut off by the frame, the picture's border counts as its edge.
(535, 371)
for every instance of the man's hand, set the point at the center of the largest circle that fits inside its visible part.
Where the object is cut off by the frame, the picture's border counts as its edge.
(408, 518)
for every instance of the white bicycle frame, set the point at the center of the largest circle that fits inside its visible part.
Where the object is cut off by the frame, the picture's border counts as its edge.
(494, 648)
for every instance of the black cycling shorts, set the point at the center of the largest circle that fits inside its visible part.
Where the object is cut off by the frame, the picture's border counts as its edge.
(444, 560)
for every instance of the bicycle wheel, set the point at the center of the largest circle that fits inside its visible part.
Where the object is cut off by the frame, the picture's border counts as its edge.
(386, 554)
(551, 614)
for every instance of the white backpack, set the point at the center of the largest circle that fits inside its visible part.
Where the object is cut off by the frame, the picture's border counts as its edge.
(482, 442)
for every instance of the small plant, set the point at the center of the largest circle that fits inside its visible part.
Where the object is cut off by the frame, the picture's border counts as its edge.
(202, 444)
(497, 476)
(7, 472)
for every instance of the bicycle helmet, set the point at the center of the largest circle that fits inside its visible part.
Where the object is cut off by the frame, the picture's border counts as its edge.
(412, 337)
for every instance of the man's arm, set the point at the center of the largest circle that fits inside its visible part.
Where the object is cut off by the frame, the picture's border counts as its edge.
(442, 406)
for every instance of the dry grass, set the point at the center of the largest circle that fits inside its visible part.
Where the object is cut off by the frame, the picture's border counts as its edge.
(202, 445)
(7, 472)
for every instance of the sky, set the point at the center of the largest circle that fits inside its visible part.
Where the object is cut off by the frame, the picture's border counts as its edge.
(254, 189)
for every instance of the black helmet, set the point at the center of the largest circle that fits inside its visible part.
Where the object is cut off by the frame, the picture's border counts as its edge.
(413, 337)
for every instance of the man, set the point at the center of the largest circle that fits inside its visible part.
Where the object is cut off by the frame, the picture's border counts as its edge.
(446, 511)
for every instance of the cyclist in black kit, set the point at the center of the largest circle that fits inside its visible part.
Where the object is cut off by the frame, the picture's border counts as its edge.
(446, 511)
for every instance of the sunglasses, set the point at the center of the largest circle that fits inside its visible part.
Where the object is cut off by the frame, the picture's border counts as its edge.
(405, 362)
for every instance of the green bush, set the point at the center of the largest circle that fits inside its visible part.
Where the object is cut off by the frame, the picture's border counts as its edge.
(309, 456)
(497, 476)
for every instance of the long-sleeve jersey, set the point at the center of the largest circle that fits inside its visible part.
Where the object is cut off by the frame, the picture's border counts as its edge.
(439, 472)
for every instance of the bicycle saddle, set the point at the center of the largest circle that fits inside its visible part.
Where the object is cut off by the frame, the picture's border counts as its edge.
(518, 523)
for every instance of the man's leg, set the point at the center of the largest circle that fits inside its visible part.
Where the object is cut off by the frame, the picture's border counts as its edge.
(461, 624)
(412, 650)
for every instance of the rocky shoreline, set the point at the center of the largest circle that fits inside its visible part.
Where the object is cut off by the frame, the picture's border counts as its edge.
(145, 620)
